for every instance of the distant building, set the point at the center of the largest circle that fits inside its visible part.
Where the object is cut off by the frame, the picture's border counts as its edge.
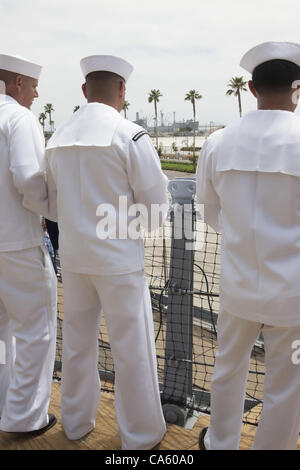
(177, 127)
(185, 126)
(141, 122)
(180, 128)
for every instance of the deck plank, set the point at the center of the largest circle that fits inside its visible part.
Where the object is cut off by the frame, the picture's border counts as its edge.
(105, 436)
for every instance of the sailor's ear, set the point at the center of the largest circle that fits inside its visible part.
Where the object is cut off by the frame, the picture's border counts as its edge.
(122, 88)
(83, 87)
(252, 89)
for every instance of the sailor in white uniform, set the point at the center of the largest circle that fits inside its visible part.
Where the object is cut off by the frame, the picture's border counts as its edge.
(102, 165)
(27, 279)
(248, 179)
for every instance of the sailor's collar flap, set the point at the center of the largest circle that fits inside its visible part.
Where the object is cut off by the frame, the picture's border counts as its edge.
(266, 141)
(6, 99)
(94, 124)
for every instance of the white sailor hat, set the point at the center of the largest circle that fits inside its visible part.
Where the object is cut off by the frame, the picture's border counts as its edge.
(106, 63)
(19, 65)
(269, 51)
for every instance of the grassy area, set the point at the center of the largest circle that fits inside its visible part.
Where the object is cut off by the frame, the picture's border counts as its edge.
(177, 166)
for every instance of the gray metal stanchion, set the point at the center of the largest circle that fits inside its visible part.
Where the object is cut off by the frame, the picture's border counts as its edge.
(177, 392)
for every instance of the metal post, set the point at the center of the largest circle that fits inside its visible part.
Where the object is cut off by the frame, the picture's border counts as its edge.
(177, 393)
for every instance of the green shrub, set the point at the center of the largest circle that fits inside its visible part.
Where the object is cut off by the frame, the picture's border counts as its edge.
(190, 149)
(184, 167)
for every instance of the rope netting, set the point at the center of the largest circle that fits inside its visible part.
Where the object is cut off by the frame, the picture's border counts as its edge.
(185, 322)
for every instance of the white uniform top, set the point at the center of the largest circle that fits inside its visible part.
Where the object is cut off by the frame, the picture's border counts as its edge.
(93, 159)
(23, 191)
(248, 179)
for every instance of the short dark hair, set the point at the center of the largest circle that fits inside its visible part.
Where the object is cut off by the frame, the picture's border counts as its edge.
(275, 75)
(103, 84)
(7, 76)
(103, 76)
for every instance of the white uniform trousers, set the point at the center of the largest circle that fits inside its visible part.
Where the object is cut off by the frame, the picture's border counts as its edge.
(28, 331)
(279, 423)
(126, 304)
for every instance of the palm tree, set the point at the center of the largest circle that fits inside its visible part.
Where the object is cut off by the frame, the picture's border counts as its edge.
(76, 108)
(236, 86)
(48, 110)
(192, 96)
(154, 95)
(42, 119)
(125, 107)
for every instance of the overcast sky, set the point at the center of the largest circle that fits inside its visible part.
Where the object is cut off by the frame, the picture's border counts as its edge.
(174, 46)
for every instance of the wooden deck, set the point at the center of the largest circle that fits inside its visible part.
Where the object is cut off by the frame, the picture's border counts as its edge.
(105, 436)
